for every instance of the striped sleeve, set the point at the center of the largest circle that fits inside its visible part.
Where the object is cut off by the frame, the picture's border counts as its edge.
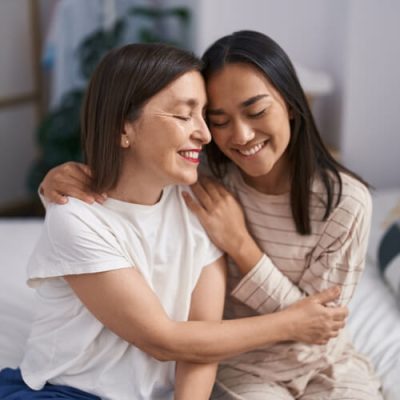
(336, 260)
(266, 289)
(339, 257)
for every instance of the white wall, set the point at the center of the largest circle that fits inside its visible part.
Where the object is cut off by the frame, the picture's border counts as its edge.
(371, 125)
(312, 32)
(356, 42)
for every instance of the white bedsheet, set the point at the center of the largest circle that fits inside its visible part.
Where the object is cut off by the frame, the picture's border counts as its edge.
(374, 321)
(17, 239)
(374, 325)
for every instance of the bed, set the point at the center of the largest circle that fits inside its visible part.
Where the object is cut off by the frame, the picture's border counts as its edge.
(374, 321)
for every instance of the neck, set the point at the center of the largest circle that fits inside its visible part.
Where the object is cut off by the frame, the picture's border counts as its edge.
(134, 188)
(275, 182)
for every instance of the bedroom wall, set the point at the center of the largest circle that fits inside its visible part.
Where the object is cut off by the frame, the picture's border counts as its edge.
(371, 107)
(356, 42)
(312, 32)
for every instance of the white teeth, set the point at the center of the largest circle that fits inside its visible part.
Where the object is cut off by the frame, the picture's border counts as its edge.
(190, 154)
(255, 149)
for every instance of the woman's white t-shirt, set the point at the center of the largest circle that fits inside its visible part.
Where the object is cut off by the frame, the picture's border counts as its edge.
(67, 344)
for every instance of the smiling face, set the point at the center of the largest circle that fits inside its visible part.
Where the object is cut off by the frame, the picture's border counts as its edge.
(249, 122)
(167, 138)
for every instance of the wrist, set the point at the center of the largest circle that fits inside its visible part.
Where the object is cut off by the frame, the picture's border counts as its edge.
(246, 253)
(289, 326)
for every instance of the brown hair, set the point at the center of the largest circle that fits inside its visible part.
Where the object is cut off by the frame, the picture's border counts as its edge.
(122, 83)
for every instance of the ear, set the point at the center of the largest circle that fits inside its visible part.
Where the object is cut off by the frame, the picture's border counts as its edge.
(125, 142)
(128, 135)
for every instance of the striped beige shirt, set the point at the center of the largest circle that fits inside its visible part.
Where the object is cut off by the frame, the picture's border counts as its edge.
(297, 265)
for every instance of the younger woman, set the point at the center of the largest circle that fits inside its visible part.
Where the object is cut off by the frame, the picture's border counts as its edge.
(305, 224)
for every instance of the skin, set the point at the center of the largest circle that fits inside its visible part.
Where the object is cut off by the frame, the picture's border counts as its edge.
(250, 123)
(246, 112)
(157, 160)
(170, 158)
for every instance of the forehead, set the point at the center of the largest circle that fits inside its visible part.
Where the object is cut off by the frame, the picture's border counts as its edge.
(187, 89)
(237, 82)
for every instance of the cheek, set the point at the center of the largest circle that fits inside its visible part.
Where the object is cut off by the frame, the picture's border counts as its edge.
(281, 130)
(219, 139)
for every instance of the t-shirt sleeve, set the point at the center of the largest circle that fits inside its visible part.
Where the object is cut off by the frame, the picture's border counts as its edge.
(74, 240)
(211, 254)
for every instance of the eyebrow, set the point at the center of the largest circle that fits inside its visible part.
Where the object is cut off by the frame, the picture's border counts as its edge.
(252, 100)
(188, 101)
(246, 103)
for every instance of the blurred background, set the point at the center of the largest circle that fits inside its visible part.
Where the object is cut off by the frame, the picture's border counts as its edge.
(346, 52)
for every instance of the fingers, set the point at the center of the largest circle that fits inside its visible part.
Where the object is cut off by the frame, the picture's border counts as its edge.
(212, 187)
(338, 325)
(327, 295)
(202, 195)
(70, 179)
(339, 313)
(75, 172)
(85, 169)
(193, 205)
(210, 193)
(55, 197)
(79, 187)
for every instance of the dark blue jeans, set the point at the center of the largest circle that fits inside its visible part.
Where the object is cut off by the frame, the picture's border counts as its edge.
(12, 387)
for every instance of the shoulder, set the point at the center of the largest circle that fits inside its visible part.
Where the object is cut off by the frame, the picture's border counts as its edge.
(356, 197)
(72, 219)
(353, 211)
(190, 221)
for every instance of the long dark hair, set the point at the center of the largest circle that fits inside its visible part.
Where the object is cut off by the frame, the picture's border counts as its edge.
(121, 84)
(307, 153)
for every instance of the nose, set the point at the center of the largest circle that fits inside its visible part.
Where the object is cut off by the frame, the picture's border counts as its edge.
(242, 133)
(201, 132)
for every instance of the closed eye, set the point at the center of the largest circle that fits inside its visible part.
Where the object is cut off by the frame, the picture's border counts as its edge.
(217, 124)
(258, 114)
(182, 117)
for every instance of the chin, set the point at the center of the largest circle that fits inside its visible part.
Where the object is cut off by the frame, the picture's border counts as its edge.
(256, 172)
(187, 179)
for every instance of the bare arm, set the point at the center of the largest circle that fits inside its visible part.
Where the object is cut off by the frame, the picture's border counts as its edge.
(69, 179)
(194, 380)
(128, 307)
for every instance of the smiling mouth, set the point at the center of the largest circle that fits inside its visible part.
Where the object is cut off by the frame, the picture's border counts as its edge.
(252, 150)
(190, 155)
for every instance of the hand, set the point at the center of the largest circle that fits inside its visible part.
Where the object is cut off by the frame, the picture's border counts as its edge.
(316, 323)
(219, 213)
(223, 219)
(69, 179)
